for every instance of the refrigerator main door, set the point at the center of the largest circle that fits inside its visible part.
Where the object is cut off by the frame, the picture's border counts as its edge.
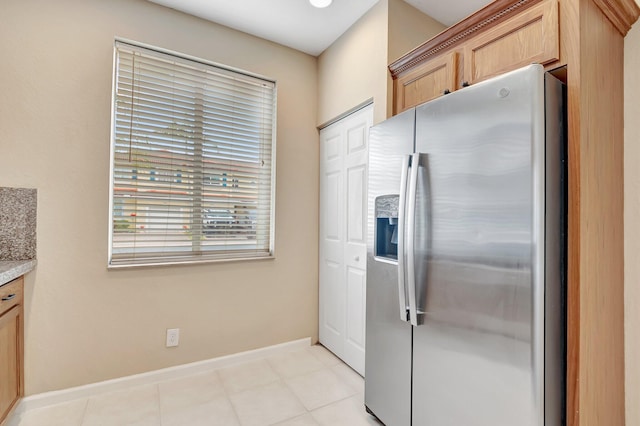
(388, 335)
(478, 352)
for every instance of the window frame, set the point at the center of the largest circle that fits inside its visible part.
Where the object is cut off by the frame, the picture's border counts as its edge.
(202, 257)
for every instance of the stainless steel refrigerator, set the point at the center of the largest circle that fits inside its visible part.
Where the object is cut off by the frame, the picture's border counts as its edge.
(466, 267)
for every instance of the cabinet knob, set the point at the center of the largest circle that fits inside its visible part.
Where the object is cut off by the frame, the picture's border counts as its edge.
(9, 297)
(465, 84)
(446, 92)
(357, 258)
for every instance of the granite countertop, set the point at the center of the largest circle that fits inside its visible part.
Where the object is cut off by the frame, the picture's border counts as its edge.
(12, 269)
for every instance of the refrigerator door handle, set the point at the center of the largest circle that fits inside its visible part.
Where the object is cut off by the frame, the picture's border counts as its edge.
(410, 243)
(402, 204)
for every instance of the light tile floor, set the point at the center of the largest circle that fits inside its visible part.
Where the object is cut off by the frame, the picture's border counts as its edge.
(300, 388)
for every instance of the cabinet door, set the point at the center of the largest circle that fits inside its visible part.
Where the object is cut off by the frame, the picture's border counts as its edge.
(343, 251)
(530, 37)
(10, 360)
(356, 159)
(331, 267)
(427, 81)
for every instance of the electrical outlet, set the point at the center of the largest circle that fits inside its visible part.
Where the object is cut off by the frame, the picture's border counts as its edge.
(173, 337)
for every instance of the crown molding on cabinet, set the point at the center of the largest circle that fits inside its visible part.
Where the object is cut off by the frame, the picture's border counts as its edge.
(621, 13)
(491, 14)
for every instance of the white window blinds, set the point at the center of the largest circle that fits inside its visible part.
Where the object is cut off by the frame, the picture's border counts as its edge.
(192, 170)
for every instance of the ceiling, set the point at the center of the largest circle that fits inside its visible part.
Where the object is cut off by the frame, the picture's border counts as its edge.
(297, 24)
(448, 12)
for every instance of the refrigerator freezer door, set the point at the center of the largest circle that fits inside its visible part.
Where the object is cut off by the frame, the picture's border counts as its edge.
(478, 356)
(388, 337)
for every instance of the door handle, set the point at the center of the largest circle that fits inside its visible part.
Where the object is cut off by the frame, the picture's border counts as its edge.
(411, 228)
(415, 314)
(402, 204)
(9, 297)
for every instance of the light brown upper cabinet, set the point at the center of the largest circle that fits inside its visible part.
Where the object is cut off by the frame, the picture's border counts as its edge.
(529, 37)
(582, 42)
(479, 50)
(427, 81)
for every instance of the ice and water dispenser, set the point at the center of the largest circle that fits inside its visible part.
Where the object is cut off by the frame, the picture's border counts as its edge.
(386, 233)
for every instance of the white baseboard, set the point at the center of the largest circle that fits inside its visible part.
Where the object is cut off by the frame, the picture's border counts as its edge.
(57, 397)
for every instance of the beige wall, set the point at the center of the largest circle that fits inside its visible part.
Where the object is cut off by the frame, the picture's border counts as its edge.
(632, 222)
(84, 323)
(408, 28)
(354, 68)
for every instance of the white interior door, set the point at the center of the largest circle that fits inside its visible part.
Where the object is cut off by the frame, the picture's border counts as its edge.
(343, 251)
(331, 265)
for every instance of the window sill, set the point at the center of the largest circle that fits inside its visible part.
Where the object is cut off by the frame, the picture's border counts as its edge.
(186, 262)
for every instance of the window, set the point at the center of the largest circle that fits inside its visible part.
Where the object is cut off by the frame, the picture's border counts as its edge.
(192, 160)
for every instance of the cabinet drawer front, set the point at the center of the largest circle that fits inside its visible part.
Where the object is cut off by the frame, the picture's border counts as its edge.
(530, 37)
(11, 294)
(426, 82)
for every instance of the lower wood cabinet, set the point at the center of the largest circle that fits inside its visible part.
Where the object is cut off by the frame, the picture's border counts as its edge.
(11, 347)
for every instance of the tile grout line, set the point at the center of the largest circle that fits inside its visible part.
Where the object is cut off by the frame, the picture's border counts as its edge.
(157, 386)
(328, 368)
(84, 411)
(284, 382)
(355, 392)
(296, 397)
(340, 380)
(227, 395)
(335, 402)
